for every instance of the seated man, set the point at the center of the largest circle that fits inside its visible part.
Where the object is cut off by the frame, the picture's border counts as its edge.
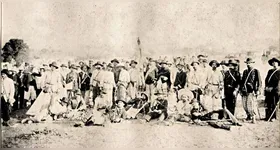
(158, 110)
(118, 111)
(138, 106)
(182, 109)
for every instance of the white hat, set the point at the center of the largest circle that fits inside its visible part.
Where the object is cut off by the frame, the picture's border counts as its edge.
(185, 92)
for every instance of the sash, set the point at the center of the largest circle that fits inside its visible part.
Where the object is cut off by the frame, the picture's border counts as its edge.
(232, 76)
(272, 74)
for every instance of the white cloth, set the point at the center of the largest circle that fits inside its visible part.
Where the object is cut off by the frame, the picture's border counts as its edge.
(8, 90)
(196, 79)
(108, 84)
(30, 94)
(53, 80)
(96, 78)
(173, 72)
(124, 77)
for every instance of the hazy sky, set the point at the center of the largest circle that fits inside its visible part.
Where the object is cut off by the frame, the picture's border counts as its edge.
(112, 28)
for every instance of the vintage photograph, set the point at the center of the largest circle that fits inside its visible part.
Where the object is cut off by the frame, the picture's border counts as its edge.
(140, 74)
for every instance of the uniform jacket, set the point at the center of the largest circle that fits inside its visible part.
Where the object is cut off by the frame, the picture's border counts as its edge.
(273, 81)
(151, 76)
(84, 78)
(232, 80)
(253, 83)
(180, 79)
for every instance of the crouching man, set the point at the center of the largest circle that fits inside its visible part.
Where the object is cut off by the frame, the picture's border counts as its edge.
(182, 109)
(158, 110)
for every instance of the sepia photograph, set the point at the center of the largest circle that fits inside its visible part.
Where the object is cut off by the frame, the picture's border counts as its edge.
(140, 74)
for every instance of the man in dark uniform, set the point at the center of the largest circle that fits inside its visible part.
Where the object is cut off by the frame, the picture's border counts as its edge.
(272, 86)
(164, 74)
(116, 72)
(158, 110)
(250, 89)
(85, 83)
(181, 77)
(231, 86)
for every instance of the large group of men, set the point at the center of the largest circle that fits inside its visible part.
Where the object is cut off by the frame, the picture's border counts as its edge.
(154, 89)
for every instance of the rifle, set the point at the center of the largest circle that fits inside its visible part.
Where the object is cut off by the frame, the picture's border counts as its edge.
(132, 112)
(273, 111)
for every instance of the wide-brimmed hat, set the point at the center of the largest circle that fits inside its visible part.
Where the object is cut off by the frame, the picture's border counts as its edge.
(73, 66)
(224, 62)
(273, 60)
(98, 64)
(133, 62)
(145, 95)
(5, 71)
(125, 103)
(85, 66)
(54, 64)
(194, 63)
(214, 62)
(201, 56)
(249, 61)
(232, 62)
(115, 60)
(185, 92)
(63, 65)
(180, 64)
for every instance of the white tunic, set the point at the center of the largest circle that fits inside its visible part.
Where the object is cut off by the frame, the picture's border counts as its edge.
(8, 90)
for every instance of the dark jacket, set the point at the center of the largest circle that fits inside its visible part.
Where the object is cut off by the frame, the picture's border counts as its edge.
(253, 83)
(85, 81)
(27, 78)
(180, 79)
(152, 77)
(273, 81)
(232, 79)
(165, 73)
(162, 105)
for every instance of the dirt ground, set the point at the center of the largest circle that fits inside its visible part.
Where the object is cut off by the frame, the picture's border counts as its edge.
(135, 134)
